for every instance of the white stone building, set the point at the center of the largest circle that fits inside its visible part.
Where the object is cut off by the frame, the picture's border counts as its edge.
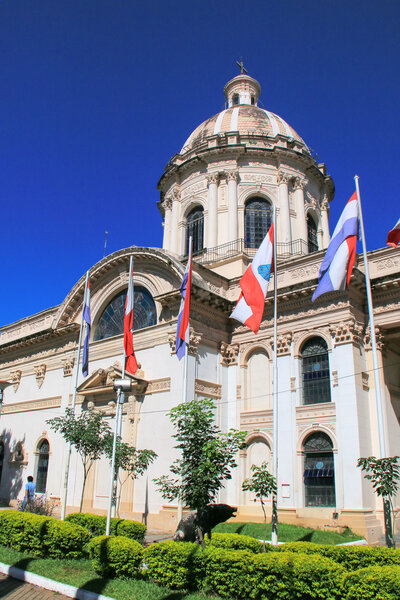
(220, 188)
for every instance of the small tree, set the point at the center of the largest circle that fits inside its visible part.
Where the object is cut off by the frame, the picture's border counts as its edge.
(206, 459)
(86, 432)
(262, 484)
(384, 473)
(129, 463)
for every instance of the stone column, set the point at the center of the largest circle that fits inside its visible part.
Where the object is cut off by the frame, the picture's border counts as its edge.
(298, 187)
(325, 222)
(232, 179)
(212, 237)
(167, 224)
(283, 231)
(174, 244)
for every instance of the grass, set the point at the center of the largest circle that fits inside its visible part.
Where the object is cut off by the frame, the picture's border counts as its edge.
(289, 533)
(80, 573)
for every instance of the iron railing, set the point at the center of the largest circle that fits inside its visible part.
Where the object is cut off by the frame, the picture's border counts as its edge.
(284, 250)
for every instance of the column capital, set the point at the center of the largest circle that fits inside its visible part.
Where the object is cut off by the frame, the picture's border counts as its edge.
(168, 203)
(299, 183)
(212, 178)
(175, 194)
(229, 354)
(283, 177)
(232, 175)
(325, 203)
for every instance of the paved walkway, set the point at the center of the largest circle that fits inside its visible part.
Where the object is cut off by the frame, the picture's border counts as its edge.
(13, 589)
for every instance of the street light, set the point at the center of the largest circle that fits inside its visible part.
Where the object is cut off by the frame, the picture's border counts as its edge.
(3, 386)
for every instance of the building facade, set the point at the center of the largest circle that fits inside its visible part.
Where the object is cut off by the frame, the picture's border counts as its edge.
(221, 189)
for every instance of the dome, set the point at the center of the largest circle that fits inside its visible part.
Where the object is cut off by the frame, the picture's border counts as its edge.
(242, 116)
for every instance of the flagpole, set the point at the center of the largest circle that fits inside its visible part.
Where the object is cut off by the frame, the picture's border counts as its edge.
(379, 406)
(68, 459)
(184, 387)
(274, 521)
(117, 429)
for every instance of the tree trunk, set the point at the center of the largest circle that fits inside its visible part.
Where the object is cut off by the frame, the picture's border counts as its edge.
(390, 542)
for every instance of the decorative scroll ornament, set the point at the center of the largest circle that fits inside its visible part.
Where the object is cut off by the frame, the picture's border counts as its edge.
(40, 372)
(299, 183)
(168, 203)
(232, 175)
(16, 378)
(380, 344)
(68, 366)
(229, 354)
(194, 341)
(283, 177)
(325, 203)
(346, 332)
(176, 194)
(283, 344)
(212, 178)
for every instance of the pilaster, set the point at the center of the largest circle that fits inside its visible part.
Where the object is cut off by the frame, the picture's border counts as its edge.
(284, 233)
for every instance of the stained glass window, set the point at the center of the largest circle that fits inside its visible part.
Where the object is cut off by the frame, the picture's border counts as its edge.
(258, 220)
(111, 321)
(42, 466)
(312, 235)
(319, 470)
(195, 228)
(315, 372)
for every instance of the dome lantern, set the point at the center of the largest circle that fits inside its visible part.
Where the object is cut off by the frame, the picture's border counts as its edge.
(242, 89)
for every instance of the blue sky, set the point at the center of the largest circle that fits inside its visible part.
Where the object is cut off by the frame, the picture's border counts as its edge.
(97, 95)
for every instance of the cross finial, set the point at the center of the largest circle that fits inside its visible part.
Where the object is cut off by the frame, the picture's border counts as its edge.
(241, 66)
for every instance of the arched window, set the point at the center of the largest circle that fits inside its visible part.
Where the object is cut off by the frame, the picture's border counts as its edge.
(315, 372)
(42, 466)
(111, 321)
(1, 458)
(319, 470)
(257, 221)
(195, 228)
(312, 235)
(258, 381)
(235, 99)
(257, 453)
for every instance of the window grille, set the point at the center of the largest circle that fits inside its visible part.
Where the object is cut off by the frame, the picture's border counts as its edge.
(312, 235)
(195, 228)
(258, 220)
(315, 372)
(319, 471)
(42, 468)
(111, 321)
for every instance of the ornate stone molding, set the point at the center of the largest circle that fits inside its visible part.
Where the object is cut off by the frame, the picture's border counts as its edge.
(299, 183)
(283, 177)
(283, 344)
(365, 381)
(40, 372)
(17, 407)
(168, 203)
(159, 385)
(232, 175)
(325, 203)
(380, 345)
(229, 354)
(346, 332)
(212, 178)
(16, 378)
(207, 388)
(194, 341)
(68, 366)
(176, 194)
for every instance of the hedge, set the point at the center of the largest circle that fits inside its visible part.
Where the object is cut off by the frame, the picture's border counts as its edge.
(115, 556)
(178, 565)
(96, 525)
(350, 557)
(235, 541)
(227, 572)
(42, 536)
(372, 583)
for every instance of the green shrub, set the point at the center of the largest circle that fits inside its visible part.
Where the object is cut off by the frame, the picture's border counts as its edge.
(116, 556)
(350, 557)
(96, 525)
(42, 536)
(295, 576)
(234, 541)
(178, 565)
(227, 572)
(372, 583)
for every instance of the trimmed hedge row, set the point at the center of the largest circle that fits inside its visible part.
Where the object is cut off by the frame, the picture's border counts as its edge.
(115, 556)
(42, 536)
(96, 525)
(235, 541)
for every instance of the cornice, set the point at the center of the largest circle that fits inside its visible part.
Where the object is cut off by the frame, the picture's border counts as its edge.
(43, 404)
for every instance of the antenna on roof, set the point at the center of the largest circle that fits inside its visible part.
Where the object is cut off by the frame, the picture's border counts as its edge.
(105, 243)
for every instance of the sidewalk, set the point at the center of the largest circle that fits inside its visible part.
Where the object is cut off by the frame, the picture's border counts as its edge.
(12, 589)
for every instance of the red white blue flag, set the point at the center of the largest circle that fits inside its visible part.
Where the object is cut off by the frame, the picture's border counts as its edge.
(254, 285)
(337, 266)
(130, 358)
(182, 330)
(393, 238)
(87, 323)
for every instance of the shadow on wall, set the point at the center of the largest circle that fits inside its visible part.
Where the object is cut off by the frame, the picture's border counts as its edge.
(11, 467)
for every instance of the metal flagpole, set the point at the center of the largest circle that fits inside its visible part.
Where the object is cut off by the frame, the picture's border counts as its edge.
(66, 474)
(274, 521)
(117, 430)
(184, 387)
(379, 406)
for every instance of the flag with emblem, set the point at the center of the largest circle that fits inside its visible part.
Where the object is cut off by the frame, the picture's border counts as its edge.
(130, 358)
(393, 238)
(87, 324)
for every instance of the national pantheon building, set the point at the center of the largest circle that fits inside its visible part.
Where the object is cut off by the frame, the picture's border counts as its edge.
(220, 188)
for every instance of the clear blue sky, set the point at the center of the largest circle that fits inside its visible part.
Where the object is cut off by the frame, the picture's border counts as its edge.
(97, 95)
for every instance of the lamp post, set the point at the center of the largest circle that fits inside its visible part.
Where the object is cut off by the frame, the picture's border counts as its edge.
(3, 386)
